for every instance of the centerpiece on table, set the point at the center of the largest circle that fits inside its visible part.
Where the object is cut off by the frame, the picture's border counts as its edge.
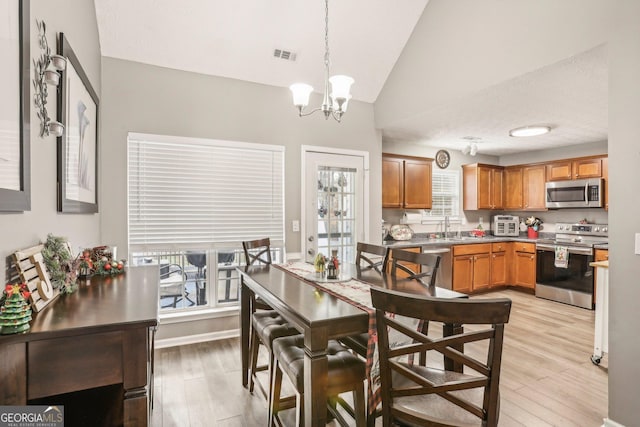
(533, 225)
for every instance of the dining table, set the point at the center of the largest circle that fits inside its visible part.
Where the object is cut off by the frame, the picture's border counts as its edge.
(321, 309)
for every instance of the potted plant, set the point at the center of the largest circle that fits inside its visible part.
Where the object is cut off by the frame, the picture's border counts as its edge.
(533, 225)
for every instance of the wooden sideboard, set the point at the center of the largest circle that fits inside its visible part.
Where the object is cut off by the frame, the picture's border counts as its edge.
(91, 351)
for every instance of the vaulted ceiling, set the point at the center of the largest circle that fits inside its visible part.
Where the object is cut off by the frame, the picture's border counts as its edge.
(238, 40)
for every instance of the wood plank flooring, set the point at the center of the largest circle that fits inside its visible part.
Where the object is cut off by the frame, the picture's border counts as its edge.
(547, 376)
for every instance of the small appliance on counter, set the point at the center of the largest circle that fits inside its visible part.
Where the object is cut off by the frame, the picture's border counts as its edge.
(401, 232)
(506, 225)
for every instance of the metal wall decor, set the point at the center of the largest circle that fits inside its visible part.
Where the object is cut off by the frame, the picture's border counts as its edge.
(45, 71)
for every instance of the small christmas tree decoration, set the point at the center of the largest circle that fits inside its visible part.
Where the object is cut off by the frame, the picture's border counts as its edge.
(15, 313)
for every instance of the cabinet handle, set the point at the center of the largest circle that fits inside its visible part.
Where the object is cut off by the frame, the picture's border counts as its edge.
(531, 257)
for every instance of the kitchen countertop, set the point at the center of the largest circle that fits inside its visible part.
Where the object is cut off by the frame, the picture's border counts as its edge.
(601, 246)
(427, 241)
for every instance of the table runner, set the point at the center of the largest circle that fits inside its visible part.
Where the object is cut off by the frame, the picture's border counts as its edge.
(356, 293)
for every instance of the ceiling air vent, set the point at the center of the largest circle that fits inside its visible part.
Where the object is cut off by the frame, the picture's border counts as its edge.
(284, 54)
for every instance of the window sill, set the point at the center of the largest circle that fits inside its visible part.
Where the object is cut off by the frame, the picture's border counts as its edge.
(195, 315)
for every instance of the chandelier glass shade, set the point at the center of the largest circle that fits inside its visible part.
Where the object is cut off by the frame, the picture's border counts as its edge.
(334, 102)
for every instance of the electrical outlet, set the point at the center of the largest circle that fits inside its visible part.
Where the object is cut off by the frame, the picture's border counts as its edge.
(295, 225)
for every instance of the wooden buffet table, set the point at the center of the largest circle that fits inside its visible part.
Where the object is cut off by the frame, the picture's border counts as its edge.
(90, 351)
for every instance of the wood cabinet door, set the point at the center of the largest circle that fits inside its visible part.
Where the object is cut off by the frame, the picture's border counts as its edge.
(605, 177)
(462, 273)
(498, 269)
(481, 271)
(392, 182)
(601, 255)
(484, 188)
(559, 171)
(496, 188)
(417, 184)
(587, 168)
(512, 188)
(533, 183)
(525, 269)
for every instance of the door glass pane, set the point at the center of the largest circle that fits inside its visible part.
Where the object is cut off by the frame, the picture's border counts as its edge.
(336, 211)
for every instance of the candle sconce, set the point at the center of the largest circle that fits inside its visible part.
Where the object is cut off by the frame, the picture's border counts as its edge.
(46, 72)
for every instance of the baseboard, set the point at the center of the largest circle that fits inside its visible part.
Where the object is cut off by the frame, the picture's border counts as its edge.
(193, 339)
(610, 423)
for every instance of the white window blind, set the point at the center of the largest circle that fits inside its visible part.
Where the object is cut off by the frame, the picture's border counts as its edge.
(445, 195)
(186, 192)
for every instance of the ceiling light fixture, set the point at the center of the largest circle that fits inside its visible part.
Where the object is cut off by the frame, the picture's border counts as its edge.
(339, 84)
(471, 149)
(529, 131)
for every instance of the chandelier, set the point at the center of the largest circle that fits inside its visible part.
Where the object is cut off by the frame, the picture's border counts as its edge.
(334, 103)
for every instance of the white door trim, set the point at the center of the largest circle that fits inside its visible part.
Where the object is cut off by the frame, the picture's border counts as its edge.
(304, 149)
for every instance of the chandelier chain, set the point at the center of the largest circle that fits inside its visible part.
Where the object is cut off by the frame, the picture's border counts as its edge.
(326, 33)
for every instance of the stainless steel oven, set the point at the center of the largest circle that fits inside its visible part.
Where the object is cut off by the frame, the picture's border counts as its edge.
(570, 282)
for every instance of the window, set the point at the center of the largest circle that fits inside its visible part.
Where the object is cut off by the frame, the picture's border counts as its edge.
(445, 196)
(190, 204)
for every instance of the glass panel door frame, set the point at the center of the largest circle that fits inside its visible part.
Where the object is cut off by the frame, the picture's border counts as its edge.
(362, 211)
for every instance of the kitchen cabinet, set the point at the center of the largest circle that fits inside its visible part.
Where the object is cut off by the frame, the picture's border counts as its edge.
(599, 255)
(482, 186)
(471, 267)
(524, 264)
(588, 167)
(513, 187)
(414, 267)
(605, 178)
(499, 263)
(533, 188)
(406, 182)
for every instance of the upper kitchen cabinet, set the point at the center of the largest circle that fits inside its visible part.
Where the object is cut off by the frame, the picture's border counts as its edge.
(482, 186)
(533, 188)
(512, 177)
(406, 182)
(587, 167)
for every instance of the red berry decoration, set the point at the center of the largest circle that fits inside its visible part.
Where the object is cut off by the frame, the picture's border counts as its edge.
(107, 267)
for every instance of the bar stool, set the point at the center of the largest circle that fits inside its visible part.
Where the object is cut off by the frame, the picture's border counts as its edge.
(346, 372)
(266, 324)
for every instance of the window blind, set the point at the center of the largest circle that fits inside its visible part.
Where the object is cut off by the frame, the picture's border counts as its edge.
(187, 192)
(445, 194)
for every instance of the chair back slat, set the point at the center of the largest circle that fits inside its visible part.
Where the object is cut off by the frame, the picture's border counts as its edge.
(443, 397)
(370, 256)
(257, 251)
(428, 265)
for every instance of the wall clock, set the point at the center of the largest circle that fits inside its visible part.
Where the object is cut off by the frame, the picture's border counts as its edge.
(442, 159)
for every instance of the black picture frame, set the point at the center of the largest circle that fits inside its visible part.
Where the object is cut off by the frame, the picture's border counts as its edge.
(12, 199)
(78, 108)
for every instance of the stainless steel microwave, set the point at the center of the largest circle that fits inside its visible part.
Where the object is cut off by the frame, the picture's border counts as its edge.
(578, 193)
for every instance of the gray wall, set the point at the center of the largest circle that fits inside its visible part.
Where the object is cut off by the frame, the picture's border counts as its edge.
(77, 19)
(624, 176)
(155, 100)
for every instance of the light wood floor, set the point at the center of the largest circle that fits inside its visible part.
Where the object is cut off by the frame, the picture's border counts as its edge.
(547, 375)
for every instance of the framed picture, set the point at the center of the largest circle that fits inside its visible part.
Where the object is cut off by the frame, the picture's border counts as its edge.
(78, 146)
(15, 156)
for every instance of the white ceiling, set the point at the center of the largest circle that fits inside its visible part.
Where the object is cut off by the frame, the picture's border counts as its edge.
(236, 39)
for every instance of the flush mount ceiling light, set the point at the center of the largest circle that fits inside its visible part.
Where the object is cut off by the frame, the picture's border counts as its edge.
(339, 84)
(472, 146)
(529, 131)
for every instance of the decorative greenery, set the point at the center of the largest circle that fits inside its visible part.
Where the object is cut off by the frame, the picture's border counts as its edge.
(15, 313)
(99, 260)
(60, 264)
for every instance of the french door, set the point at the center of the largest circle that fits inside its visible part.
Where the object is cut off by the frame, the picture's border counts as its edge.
(334, 197)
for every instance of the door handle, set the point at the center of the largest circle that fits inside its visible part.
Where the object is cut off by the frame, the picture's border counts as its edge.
(310, 251)
(310, 238)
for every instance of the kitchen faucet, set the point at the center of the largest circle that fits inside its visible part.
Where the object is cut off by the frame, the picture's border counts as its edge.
(447, 225)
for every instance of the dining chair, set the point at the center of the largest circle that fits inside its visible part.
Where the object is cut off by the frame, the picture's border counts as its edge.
(370, 256)
(345, 372)
(173, 281)
(428, 265)
(266, 324)
(429, 395)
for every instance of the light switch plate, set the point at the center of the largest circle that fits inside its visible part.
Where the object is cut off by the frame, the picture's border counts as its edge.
(637, 251)
(295, 225)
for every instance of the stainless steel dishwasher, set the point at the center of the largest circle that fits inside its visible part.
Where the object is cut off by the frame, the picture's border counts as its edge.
(444, 276)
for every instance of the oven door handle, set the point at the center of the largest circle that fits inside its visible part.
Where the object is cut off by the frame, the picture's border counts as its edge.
(571, 249)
